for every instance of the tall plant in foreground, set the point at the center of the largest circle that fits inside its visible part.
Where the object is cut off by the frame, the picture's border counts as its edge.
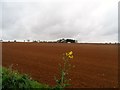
(64, 69)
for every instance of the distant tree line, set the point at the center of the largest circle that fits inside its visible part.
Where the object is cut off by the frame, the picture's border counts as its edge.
(57, 41)
(67, 41)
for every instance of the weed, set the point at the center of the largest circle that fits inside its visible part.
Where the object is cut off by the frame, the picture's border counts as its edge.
(64, 69)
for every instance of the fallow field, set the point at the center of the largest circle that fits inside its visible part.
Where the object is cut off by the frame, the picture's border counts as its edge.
(96, 65)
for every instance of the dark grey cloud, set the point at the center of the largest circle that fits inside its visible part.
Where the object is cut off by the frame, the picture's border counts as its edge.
(84, 20)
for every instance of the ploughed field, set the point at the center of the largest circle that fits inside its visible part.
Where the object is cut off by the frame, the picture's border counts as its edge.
(95, 64)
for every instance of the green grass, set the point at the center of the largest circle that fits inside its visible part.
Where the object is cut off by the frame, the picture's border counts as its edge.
(13, 79)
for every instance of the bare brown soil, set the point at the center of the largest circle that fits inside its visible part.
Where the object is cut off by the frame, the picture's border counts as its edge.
(95, 65)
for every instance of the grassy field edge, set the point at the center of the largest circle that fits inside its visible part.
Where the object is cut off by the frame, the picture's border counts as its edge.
(13, 79)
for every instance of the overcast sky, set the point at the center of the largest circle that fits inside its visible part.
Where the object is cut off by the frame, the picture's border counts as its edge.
(83, 20)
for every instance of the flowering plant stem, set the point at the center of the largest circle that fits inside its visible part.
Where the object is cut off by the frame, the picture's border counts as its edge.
(63, 81)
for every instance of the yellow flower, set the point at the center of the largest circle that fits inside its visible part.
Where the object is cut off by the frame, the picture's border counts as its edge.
(69, 54)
